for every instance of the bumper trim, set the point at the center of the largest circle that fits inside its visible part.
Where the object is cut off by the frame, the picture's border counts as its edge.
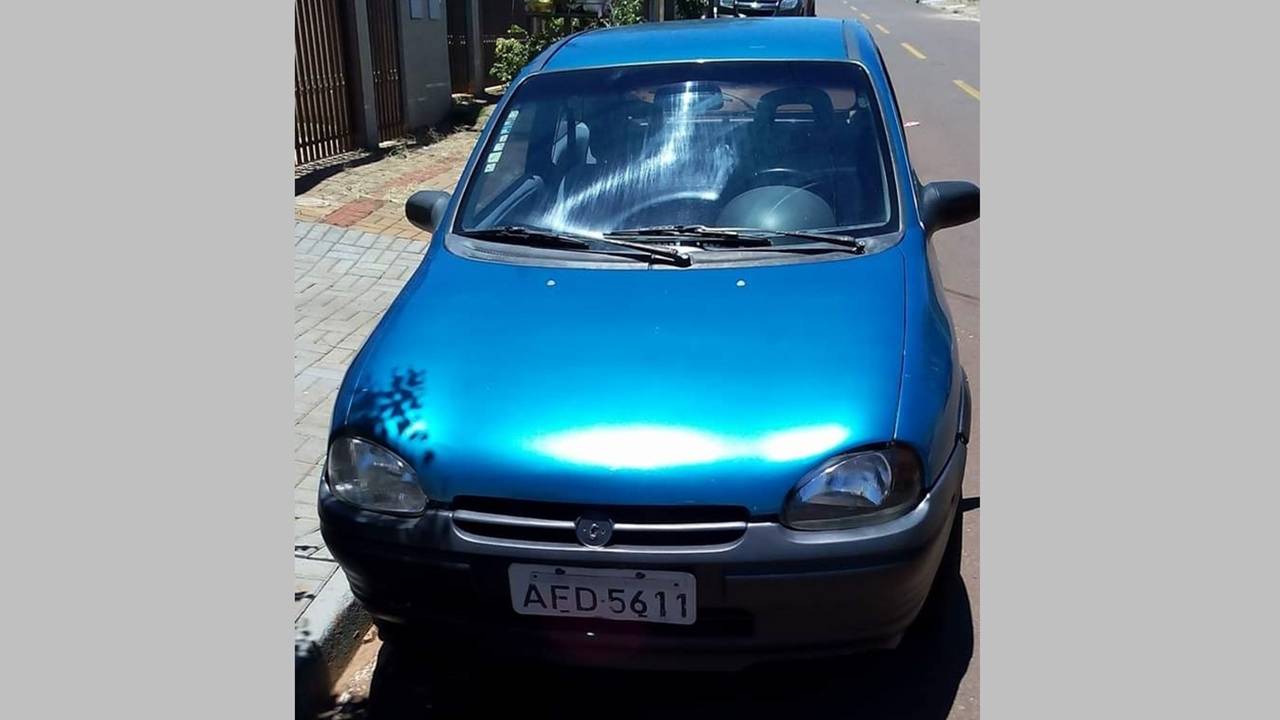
(484, 518)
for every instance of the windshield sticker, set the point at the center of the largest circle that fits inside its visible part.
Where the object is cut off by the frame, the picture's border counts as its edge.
(511, 118)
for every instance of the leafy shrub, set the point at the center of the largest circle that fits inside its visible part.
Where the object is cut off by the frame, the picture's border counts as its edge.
(627, 12)
(513, 52)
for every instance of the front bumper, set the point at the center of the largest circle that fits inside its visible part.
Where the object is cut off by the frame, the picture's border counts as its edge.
(774, 593)
(763, 10)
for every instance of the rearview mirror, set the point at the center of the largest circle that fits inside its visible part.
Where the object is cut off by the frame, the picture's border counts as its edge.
(425, 208)
(947, 204)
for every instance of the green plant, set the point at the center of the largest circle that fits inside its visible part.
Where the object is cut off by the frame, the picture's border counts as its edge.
(513, 52)
(627, 12)
(510, 54)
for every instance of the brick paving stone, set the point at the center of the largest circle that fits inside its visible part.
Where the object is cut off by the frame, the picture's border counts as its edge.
(301, 470)
(306, 528)
(311, 483)
(306, 510)
(310, 449)
(371, 197)
(312, 569)
(304, 591)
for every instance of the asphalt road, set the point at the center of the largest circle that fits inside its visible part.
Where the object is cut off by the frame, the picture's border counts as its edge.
(934, 674)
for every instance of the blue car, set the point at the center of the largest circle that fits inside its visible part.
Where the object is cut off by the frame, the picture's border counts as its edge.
(762, 8)
(675, 385)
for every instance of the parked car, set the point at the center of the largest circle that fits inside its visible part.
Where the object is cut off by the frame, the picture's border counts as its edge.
(676, 383)
(763, 8)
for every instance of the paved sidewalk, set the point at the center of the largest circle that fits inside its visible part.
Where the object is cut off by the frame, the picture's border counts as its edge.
(960, 9)
(370, 198)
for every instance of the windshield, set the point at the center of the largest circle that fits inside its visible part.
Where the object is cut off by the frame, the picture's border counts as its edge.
(761, 145)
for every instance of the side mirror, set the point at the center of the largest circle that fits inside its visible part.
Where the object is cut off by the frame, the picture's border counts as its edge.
(947, 204)
(425, 208)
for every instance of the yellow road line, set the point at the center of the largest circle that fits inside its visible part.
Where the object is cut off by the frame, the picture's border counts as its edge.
(969, 89)
(913, 51)
(865, 16)
(883, 29)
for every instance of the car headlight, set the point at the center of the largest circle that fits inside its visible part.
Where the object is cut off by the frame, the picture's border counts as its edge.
(788, 4)
(373, 478)
(855, 489)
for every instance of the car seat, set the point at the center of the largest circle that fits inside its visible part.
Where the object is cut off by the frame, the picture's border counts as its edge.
(798, 154)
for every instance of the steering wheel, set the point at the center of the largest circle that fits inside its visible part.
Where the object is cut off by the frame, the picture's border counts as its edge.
(821, 182)
(671, 197)
(790, 176)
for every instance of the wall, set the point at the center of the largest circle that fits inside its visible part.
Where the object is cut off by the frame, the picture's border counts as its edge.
(424, 50)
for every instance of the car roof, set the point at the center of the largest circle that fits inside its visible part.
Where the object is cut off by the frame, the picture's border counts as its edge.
(713, 39)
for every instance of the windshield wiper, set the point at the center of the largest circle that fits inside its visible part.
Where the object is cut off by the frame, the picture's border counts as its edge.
(533, 237)
(727, 236)
(744, 237)
(854, 244)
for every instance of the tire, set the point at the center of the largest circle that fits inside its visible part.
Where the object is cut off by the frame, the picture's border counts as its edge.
(413, 679)
(401, 686)
(311, 691)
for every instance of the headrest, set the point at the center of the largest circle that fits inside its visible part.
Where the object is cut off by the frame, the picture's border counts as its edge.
(768, 105)
(697, 97)
(610, 126)
(573, 153)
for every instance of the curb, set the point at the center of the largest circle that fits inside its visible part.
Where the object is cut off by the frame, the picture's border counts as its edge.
(335, 622)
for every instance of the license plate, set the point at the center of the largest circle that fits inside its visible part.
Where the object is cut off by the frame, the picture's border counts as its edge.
(638, 595)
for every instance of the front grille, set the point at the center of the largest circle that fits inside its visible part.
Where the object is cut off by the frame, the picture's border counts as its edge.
(634, 526)
(763, 7)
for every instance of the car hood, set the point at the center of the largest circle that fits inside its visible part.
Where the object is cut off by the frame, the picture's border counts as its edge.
(656, 387)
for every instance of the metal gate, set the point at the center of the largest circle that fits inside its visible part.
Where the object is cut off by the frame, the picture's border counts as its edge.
(321, 111)
(384, 45)
(496, 19)
(455, 15)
